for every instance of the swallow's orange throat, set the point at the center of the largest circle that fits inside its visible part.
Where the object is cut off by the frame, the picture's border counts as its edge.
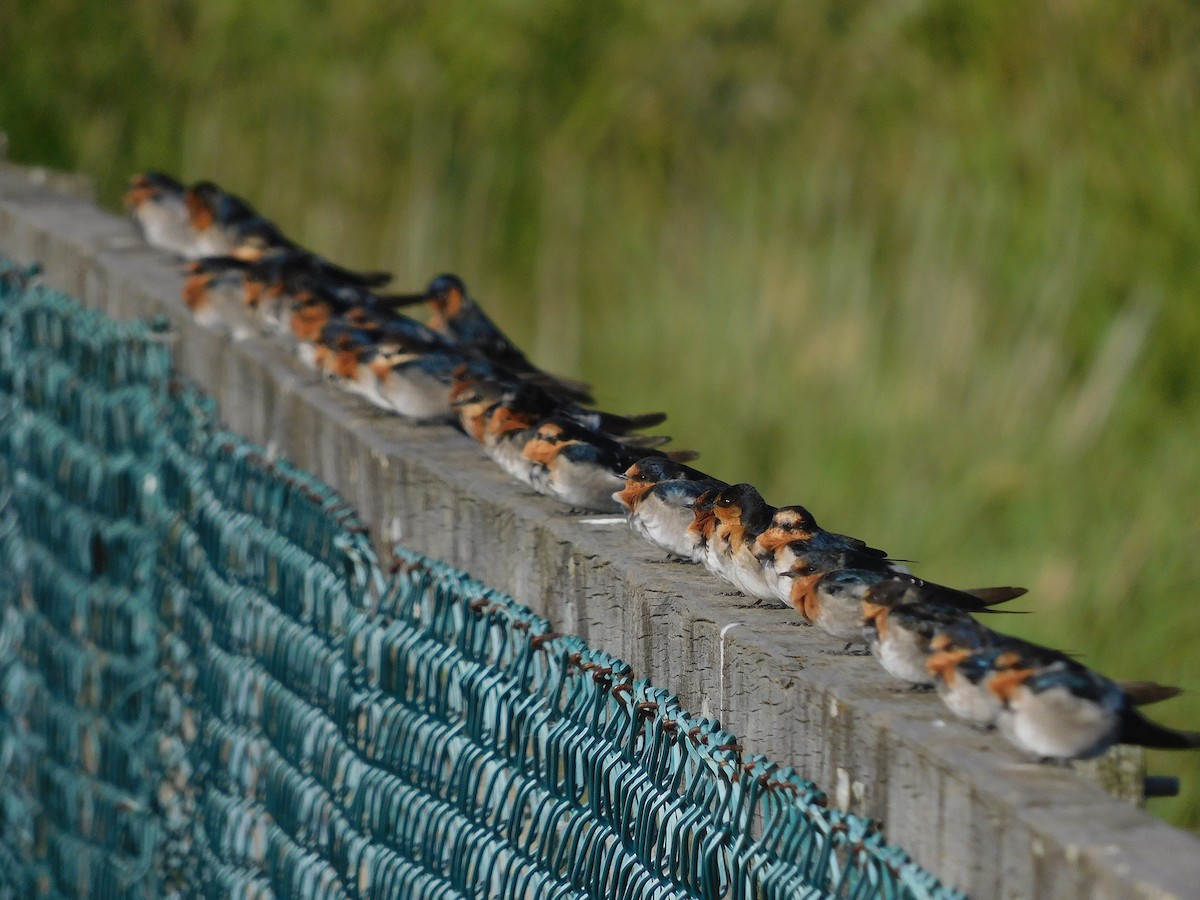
(633, 493)
(200, 216)
(195, 290)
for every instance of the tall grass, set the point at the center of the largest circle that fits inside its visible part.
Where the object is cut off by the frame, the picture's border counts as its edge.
(927, 267)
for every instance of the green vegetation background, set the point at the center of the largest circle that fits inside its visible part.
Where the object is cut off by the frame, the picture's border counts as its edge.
(929, 268)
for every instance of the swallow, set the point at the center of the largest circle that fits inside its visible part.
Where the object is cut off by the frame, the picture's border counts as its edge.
(223, 224)
(416, 384)
(501, 428)
(266, 295)
(396, 364)
(1064, 710)
(581, 467)
(456, 313)
(960, 673)
(473, 396)
(793, 532)
(659, 497)
(260, 239)
(902, 615)
(827, 588)
(741, 515)
(502, 413)
(214, 216)
(576, 466)
(900, 634)
(342, 352)
(213, 292)
(291, 297)
(156, 203)
(538, 402)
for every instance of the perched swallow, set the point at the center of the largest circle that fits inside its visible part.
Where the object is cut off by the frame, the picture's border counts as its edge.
(577, 466)
(793, 532)
(268, 300)
(501, 428)
(214, 216)
(341, 352)
(156, 203)
(214, 293)
(659, 496)
(473, 396)
(291, 301)
(960, 673)
(581, 467)
(457, 314)
(396, 364)
(536, 402)
(741, 516)
(495, 404)
(1064, 710)
(414, 384)
(900, 635)
(827, 588)
(259, 239)
(503, 413)
(223, 224)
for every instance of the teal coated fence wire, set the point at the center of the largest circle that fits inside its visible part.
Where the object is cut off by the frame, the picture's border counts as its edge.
(209, 686)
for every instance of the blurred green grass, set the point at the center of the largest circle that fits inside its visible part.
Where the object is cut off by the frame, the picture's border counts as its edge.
(926, 267)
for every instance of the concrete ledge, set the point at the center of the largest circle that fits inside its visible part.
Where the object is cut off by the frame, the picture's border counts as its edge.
(960, 801)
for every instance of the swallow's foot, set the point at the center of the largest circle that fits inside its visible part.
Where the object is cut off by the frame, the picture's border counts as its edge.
(765, 604)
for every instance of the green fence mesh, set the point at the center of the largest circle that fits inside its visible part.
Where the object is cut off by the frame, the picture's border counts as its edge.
(208, 686)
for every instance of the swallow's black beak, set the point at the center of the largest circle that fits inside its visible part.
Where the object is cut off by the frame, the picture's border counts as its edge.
(397, 301)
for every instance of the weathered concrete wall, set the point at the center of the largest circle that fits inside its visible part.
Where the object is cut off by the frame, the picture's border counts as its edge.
(960, 801)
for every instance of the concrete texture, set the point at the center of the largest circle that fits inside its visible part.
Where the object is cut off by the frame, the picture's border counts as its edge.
(960, 801)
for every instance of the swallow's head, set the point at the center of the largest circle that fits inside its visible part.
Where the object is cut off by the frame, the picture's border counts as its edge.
(640, 480)
(150, 186)
(942, 663)
(309, 318)
(195, 289)
(838, 582)
(729, 503)
(348, 354)
(551, 433)
(541, 451)
(447, 295)
(256, 240)
(505, 420)
(655, 469)
(789, 523)
(1005, 682)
